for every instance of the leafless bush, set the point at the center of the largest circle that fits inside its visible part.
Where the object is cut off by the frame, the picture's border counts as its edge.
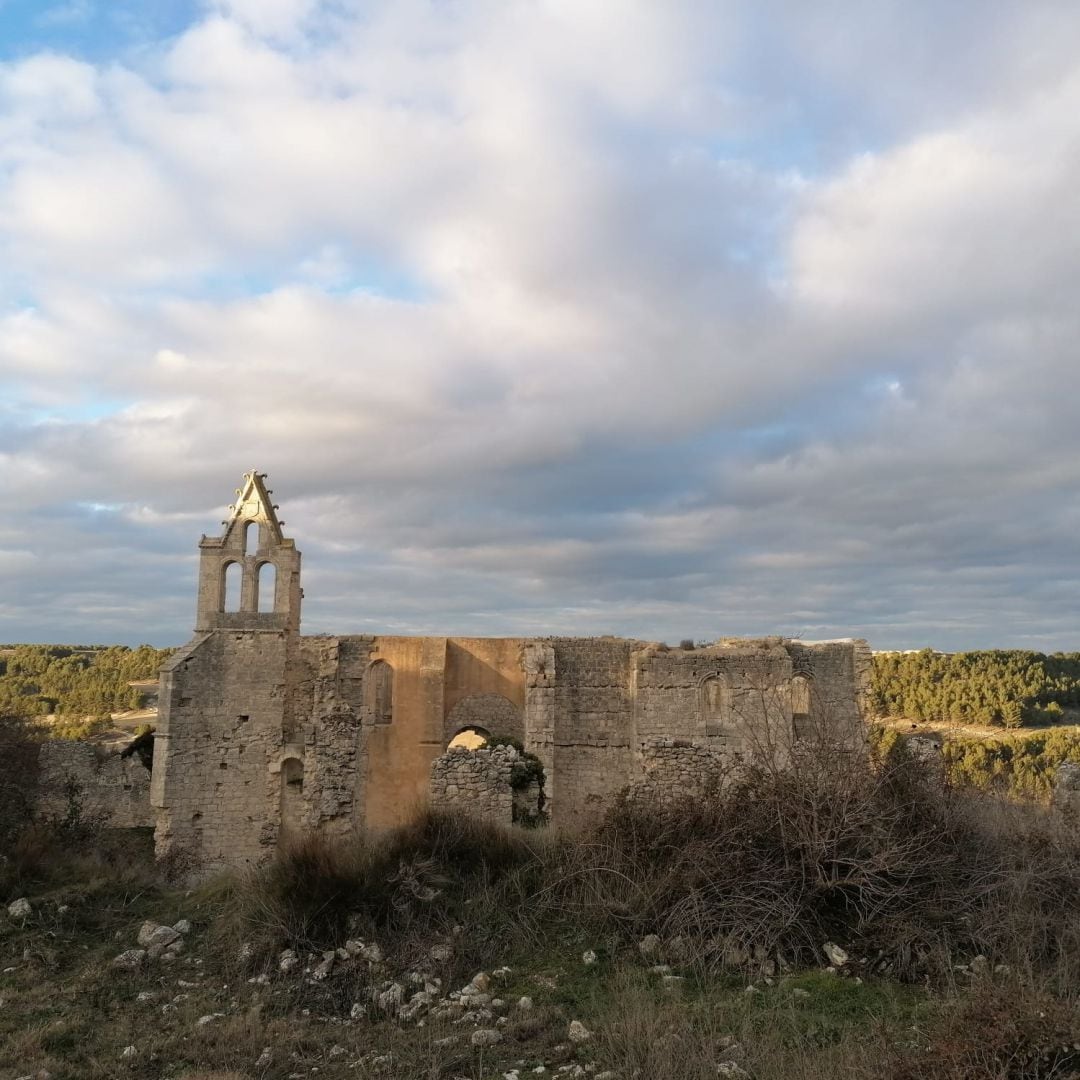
(1002, 1030)
(766, 865)
(19, 744)
(837, 847)
(405, 889)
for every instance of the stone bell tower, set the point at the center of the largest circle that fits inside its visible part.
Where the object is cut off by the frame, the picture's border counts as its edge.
(249, 577)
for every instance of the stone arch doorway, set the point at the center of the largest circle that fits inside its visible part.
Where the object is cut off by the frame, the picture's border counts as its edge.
(470, 738)
(492, 714)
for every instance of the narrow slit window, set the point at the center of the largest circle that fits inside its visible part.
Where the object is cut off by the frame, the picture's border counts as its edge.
(265, 587)
(231, 588)
(380, 692)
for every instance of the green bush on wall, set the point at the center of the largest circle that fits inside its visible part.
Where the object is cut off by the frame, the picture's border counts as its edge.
(526, 770)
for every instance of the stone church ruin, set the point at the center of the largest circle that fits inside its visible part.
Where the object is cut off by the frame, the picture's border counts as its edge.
(264, 734)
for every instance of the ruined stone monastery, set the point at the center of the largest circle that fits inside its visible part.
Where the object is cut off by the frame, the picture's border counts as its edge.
(264, 733)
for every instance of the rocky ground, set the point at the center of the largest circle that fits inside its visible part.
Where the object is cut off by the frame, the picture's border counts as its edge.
(95, 990)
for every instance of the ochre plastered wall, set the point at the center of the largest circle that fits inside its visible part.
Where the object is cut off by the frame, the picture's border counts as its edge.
(399, 754)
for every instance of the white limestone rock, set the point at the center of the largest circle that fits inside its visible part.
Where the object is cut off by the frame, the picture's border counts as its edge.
(19, 909)
(146, 932)
(390, 999)
(322, 970)
(650, 946)
(130, 959)
(836, 956)
(372, 953)
(486, 1037)
(732, 1070)
(577, 1032)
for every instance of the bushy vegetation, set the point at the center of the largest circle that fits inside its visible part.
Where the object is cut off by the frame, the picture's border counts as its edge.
(74, 681)
(1017, 766)
(1006, 687)
(1021, 766)
(770, 864)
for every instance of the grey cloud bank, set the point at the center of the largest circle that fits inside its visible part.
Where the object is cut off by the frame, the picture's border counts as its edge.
(659, 320)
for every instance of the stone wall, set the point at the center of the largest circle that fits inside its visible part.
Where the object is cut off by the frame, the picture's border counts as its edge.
(1066, 791)
(105, 786)
(675, 768)
(219, 734)
(266, 733)
(592, 752)
(475, 782)
(734, 693)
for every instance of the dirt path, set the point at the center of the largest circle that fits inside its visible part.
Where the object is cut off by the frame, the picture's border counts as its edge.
(953, 730)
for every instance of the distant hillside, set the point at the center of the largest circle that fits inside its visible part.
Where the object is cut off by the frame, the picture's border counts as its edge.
(1010, 687)
(74, 680)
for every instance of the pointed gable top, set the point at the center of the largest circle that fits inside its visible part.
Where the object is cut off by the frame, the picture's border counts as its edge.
(253, 504)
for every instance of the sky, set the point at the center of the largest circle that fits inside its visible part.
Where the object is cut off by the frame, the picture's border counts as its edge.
(667, 320)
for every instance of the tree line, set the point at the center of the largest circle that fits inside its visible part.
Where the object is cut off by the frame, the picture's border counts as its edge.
(74, 681)
(1008, 687)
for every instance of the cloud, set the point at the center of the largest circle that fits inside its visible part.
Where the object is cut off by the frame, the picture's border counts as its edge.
(654, 319)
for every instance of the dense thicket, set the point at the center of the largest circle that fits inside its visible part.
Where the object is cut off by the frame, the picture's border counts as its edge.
(771, 863)
(1020, 766)
(73, 680)
(1010, 687)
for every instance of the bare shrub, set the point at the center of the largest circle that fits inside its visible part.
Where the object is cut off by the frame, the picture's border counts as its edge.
(767, 864)
(838, 847)
(19, 741)
(405, 888)
(1003, 1030)
(68, 845)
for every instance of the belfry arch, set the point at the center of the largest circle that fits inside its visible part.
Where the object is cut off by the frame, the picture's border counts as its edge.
(249, 577)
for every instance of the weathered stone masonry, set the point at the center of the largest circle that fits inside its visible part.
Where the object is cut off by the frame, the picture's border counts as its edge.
(263, 733)
(77, 775)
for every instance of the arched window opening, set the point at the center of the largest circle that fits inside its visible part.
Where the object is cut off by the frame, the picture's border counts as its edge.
(716, 705)
(292, 796)
(251, 537)
(801, 694)
(470, 738)
(379, 696)
(230, 587)
(265, 586)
